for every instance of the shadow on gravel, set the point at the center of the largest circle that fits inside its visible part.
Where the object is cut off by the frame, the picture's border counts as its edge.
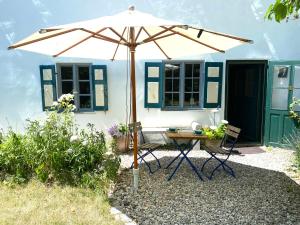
(256, 196)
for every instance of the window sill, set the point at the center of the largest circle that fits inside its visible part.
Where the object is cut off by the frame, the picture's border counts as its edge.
(182, 109)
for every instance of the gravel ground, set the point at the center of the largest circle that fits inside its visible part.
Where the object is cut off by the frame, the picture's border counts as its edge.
(261, 193)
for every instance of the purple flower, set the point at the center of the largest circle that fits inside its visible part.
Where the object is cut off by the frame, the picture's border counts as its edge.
(114, 131)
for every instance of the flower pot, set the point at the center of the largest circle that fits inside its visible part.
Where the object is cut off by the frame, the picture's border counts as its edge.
(122, 143)
(213, 142)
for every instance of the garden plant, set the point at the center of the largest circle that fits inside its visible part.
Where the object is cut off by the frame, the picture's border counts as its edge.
(55, 150)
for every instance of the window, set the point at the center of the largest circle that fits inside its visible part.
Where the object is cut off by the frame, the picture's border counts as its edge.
(183, 85)
(76, 79)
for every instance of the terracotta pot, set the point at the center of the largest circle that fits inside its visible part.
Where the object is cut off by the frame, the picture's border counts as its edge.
(213, 142)
(123, 144)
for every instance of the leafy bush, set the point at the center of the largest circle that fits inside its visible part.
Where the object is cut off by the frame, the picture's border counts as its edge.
(56, 150)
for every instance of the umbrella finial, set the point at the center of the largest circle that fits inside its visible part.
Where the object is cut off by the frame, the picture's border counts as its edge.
(131, 8)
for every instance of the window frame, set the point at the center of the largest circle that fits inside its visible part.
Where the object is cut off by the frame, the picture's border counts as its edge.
(76, 81)
(182, 91)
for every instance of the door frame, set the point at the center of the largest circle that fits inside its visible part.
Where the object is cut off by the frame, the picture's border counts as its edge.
(264, 89)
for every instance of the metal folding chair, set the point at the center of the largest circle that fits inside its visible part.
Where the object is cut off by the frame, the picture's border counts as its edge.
(226, 148)
(148, 148)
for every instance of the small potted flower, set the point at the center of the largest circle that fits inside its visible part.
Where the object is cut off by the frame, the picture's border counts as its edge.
(120, 136)
(215, 134)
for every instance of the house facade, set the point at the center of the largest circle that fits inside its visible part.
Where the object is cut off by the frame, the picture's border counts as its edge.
(251, 85)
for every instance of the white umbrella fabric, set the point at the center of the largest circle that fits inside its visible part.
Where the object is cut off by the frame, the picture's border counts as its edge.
(110, 37)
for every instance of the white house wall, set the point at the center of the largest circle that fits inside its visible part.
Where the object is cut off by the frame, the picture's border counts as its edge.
(20, 91)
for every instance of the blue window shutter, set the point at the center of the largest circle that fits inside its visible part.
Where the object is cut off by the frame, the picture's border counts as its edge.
(153, 83)
(99, 87)
(48, 85)
(213, 84)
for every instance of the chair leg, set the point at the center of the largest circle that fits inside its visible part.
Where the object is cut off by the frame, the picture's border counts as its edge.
(223, 164)
(141, 158)
(159, 166)
(211, 175)
(206, 161)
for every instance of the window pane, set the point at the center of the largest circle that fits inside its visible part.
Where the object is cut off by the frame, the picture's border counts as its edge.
(84, 87)
(168, 99)
(196, 99)
(176, 70)
(66, 73)
(176, 99)
(296, 94)
(188, 70)
(85, 102)
(176, 85)
(83, 73)
(188, 85)
(191, 99)
(281, 76)
(168, 70)
(280, 99)
(187, 99)
(196, 71)
(297, 77)
(67, 87)
(196, 85)
(168, 85)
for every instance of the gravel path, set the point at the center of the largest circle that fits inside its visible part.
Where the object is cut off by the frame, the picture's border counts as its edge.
(261, 193)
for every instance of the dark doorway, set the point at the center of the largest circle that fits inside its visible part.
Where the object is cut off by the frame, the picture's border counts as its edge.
(245, 99)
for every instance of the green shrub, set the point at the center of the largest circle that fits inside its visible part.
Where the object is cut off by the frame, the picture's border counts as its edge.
(56, 150)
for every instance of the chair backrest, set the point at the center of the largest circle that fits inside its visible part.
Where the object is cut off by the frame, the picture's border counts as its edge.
(231, 136)
(138, 128)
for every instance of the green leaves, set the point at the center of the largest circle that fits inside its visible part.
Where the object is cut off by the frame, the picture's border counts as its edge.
(56, 150)
(283, 9)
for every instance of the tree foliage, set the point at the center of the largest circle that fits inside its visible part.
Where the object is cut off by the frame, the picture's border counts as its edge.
(283, 10)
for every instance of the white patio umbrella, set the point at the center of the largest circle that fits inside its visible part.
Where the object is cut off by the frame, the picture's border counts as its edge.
(110, 37)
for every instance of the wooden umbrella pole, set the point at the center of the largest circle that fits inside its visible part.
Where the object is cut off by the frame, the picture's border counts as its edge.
(133, 92)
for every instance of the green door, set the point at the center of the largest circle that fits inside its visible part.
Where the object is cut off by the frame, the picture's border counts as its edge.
(283, 84)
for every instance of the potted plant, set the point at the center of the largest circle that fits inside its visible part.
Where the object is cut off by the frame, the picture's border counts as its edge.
(120, 137)
(215, 134)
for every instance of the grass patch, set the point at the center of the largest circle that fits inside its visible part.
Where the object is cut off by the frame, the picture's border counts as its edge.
(36, 203)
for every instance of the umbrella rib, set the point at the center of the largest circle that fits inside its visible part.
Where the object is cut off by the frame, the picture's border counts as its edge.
(163, 36)
(113, 58)
(138, 34)
(156, 44)
(103, 37)
(199, 42)
(79, 42)
(120, 36)
(41, 38)
(159, 33)
(224, 35)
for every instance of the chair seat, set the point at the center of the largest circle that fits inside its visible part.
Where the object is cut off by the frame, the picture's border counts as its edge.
(149, 146)
(216, 149)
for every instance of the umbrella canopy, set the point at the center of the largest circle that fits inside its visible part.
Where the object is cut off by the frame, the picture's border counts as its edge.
(108, 38)
(111, 37)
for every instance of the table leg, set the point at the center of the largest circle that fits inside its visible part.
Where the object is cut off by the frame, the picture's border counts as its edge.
(184, 157)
